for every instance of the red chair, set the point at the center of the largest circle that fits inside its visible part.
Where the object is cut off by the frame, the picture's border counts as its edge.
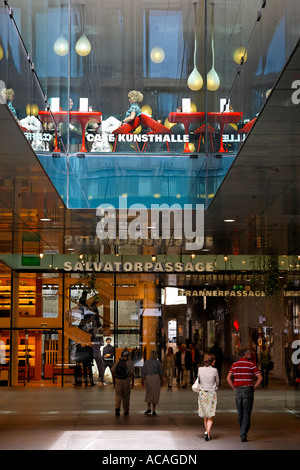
(127, 128)
(201, 132)
(156, 128)
(247, 127)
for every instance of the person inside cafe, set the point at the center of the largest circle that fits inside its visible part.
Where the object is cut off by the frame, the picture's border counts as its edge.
(75, 132)
(30, 123)
(111, 124)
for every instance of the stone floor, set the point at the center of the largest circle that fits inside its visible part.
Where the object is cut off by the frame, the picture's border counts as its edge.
(47, 417)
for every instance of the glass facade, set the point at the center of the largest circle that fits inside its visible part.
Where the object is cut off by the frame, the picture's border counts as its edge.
(205, 71)
(91, 55)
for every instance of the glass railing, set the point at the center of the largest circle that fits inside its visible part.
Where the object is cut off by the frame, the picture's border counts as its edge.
(90, 181)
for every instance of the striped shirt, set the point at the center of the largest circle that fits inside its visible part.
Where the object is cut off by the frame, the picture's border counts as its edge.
(243, 372)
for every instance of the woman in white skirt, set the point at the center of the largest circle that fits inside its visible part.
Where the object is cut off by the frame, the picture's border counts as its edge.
(207, 399)
(152, 372)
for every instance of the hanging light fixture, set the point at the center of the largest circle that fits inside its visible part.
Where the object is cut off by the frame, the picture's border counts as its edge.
(32, 109)
(83, 46)
(147, 109)
(195, 81)
(61, 46)
(157, 55)
(240, 55)
(213, 81)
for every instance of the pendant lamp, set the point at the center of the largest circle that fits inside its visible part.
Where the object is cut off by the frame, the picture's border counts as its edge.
(195, 81)
(239, 54)
(83, 46)
(157, 55)
(61, 46)
(213, 81)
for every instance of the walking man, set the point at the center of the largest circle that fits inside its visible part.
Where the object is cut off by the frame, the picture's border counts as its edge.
(241, 380)
(183, 364)
(123, 379)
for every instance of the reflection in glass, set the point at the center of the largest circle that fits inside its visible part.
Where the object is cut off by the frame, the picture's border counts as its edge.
(61, 46)
(240, 54)
(83, 46)
(157, 55)
(195, 81)
(213, 81)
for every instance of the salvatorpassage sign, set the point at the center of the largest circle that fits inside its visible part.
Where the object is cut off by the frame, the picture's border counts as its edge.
(137, 267)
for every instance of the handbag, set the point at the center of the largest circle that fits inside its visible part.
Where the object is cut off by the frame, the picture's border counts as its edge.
(196, 386)
(271, 365)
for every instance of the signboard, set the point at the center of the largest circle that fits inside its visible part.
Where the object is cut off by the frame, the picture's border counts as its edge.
(137, 267)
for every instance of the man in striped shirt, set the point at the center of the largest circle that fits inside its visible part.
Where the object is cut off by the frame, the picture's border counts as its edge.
(241, 380)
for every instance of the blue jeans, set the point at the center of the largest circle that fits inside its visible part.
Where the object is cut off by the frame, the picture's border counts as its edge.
(244, 397)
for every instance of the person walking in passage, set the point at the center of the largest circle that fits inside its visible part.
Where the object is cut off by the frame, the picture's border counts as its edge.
(208, 378)
(152, 372)
(241, 380)
(87, 364)
(169, 366)
(96, 344)
(183, 364)
(264, 359)
(216, 350)
(108, 355)
(123, 380)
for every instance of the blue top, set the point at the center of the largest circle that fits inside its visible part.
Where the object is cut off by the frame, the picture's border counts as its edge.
(134, 107)
(152, 367)
(12, 109)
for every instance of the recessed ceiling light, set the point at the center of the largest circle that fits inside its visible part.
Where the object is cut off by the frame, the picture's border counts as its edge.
(229, 220)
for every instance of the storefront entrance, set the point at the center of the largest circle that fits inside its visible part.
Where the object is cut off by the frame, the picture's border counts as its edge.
(122, 310)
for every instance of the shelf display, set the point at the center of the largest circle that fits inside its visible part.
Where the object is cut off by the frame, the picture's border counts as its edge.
(27, 300)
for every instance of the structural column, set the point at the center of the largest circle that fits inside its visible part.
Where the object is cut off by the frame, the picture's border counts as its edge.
(14, 343)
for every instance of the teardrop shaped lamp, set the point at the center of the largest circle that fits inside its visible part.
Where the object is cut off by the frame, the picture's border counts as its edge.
(61, 46)
(195, 81)
(213, 81)
(83, 46)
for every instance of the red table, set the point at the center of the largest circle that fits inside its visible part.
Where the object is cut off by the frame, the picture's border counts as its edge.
(212, 117)
(75, 116)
